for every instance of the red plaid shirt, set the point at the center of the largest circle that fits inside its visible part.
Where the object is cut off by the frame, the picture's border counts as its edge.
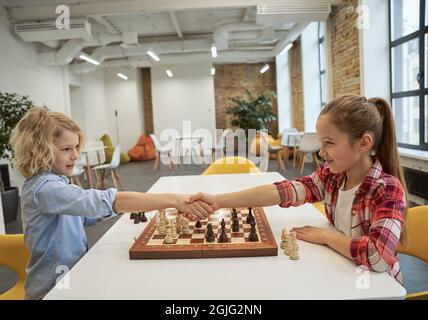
(377, 212)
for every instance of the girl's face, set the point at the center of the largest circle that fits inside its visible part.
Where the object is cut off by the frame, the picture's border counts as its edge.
(336, 149)
(66, 152)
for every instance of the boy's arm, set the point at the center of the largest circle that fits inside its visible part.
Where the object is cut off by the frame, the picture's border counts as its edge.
(138, 201)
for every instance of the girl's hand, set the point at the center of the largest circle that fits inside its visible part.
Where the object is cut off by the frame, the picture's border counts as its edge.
(195, 210)
(312, 234)
(209, 199)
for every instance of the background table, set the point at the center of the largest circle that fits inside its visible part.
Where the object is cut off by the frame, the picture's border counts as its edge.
(106, 272)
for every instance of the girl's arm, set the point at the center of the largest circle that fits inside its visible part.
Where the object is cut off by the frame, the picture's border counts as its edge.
(261, 196)
(138, 201)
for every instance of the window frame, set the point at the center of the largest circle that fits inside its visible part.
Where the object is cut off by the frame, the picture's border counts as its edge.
(422, 91)
(321, 40)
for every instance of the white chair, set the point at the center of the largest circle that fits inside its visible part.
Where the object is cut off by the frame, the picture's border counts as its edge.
(104, 170)
(290, 142)
(309, 144)
(76, 175)
(165, 150)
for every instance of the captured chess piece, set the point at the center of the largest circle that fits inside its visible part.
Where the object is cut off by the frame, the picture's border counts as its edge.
(283, 238)
(294, 249)
(143, 217)
(250, 216)
(132, 215)
(253, 233)
(210, 233)
(137, 218)
(198, 224)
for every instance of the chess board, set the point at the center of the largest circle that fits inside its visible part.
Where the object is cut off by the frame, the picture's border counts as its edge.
(151, 245)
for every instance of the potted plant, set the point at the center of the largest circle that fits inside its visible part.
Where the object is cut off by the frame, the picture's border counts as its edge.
(253, 112)
(12, 108)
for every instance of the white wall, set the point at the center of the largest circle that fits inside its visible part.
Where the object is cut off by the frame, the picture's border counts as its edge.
(188, 96)
(125, 96)
(283, 90)
(21, 73)
(311, 76)
(374, 50)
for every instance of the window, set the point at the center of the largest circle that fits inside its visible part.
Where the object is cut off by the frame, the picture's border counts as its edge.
(409, 71)
(322, 64)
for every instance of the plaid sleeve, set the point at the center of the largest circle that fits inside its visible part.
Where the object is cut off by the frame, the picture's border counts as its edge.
(377, 249)
(307, 189)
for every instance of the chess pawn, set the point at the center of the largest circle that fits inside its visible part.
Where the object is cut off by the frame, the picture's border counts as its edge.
(185, 226)
(168, 238)
(178, 226)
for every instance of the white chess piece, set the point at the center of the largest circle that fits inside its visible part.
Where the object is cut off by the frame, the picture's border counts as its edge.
(173, 230)
(162, 228)
(284, 238)
(185, 226)
(294, 250)
(168, 238)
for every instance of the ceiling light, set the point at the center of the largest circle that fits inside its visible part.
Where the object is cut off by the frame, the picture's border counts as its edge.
(214, 51)
(153, 55)
(212, 71)
(90, 60)
(264, 68)
(122, 76)
(169, 73)
(286, 48)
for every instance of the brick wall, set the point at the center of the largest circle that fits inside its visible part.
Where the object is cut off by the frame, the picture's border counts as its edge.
(147, 100)
(296, 82)
(344, 43)
(231, 80)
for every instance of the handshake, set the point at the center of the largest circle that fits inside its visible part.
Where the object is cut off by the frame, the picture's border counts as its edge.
(198, 206)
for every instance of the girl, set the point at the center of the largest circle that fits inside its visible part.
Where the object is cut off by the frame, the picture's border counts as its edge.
(46, 147)
(361, 184)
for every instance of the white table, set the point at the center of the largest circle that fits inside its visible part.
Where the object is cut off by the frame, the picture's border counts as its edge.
(106, 272)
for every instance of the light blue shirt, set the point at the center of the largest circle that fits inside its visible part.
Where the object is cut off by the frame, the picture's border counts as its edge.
(53, 215)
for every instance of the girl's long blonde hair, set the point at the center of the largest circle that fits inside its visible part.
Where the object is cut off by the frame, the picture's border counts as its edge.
(32, 140)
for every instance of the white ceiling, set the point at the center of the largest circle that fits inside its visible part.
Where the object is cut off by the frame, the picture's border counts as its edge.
(179, 31)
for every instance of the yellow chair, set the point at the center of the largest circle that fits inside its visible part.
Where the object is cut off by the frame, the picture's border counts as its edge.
(320, 207)
(415, 243)
(228, 165)
(14, 255)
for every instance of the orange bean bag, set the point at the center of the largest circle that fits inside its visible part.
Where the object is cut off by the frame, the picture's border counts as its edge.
(144, 149)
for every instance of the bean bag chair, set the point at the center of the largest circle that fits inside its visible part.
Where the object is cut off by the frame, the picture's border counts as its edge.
(144, 149)
(124, 157)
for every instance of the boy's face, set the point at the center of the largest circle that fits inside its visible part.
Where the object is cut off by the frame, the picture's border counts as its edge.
(66, 153)
(336, 149)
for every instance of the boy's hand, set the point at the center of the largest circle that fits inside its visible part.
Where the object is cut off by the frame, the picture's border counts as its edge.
(194, 210)
(209, 199)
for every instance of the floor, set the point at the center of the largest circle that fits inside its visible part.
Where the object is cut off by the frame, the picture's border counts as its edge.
(140, 176)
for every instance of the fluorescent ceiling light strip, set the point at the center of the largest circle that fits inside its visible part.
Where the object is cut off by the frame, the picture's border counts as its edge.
(286, 48)
(212, 71)
(214, 51)
(264, 68)
(90, 60)
(169, 73)
(121, 75)
(153, 55)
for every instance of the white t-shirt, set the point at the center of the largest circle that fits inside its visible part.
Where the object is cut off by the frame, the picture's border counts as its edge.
(343, 216)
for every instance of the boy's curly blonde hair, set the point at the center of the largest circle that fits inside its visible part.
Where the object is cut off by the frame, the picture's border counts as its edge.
(32, 140)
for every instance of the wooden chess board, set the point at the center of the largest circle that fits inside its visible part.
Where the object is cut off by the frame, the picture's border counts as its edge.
(150, 244)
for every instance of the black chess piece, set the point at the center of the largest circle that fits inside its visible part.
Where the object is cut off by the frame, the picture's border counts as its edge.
(250, 216)
(143, 217)
(223, 223)
(132, 215)
(253, 233)
(137, 219)
(198, 224)
(210, 233)
(235, 225)
(223, 236)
